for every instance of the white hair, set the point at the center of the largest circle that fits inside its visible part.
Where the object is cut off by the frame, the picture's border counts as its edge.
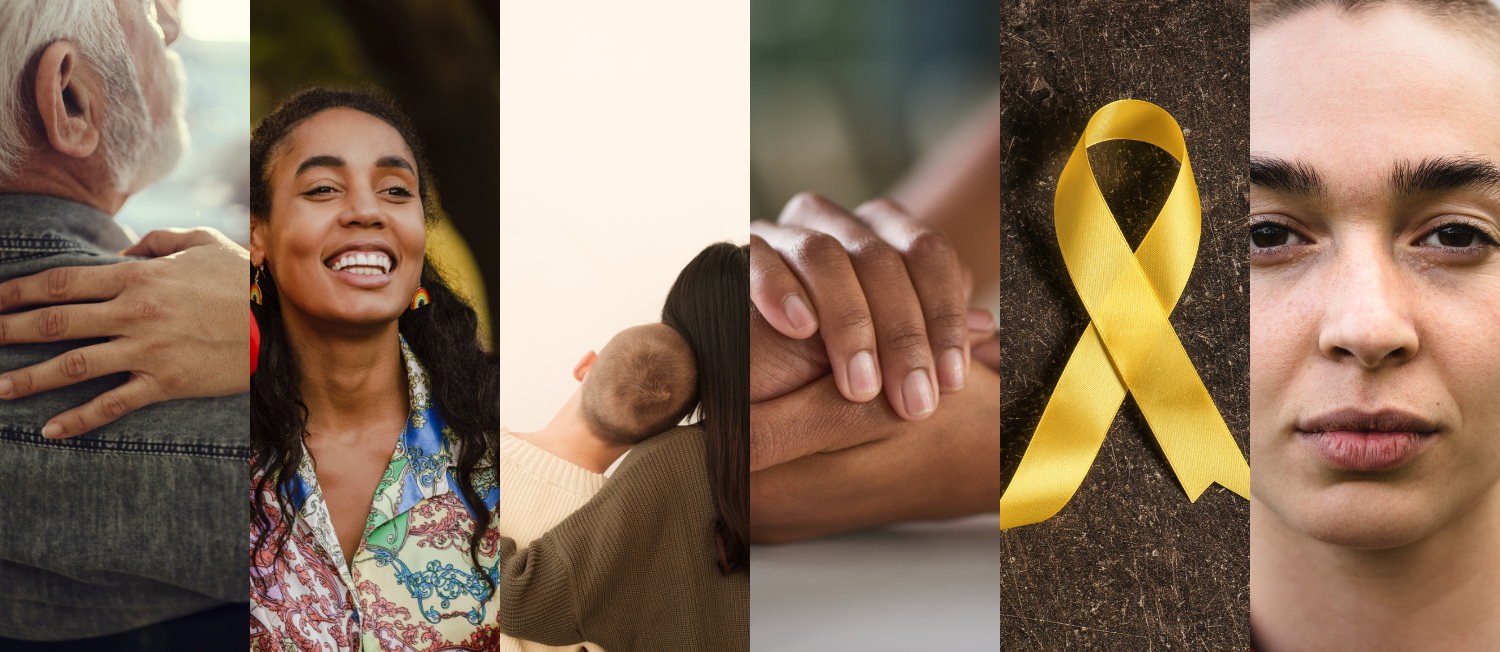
(26, 28)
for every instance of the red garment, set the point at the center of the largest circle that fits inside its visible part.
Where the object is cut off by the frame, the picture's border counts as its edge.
(254, 343)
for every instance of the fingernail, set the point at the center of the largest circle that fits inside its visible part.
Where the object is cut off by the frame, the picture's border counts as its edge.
(52, 431)
(863, 379)
(797, 313)
(917, 392)
(981, 320)
(5, 387)
(951, 369)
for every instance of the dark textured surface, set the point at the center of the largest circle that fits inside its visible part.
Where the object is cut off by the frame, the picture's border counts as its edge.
(1129, 564)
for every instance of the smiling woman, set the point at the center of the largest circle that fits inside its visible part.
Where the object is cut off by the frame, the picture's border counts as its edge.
(1375, 298)
(372, 412)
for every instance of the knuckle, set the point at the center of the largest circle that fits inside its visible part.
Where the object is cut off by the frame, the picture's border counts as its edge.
(807, 202)
(148, 309)
(60, 282)
(948, 317)
(52, 322)
(877, 253)
(906, 336)
(855, 319)
(113, 406)
(931, 245)
(817, 249)
(75, 365)
(134, 272)
(23, 381)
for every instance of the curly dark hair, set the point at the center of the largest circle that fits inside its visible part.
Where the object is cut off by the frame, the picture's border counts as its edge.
(463, 378)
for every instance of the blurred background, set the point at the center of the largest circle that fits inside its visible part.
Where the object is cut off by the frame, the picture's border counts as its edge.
(210, 186)
(438, 58)
(847, 94)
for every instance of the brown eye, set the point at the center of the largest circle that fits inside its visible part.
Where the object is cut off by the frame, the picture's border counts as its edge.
(1455, 236)
(1458, 236)
(1266, 235)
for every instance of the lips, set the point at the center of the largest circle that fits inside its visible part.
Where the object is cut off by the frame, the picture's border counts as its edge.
(1371, 442)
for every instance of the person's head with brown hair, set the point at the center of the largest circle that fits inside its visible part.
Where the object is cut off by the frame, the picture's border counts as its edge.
(643, 382)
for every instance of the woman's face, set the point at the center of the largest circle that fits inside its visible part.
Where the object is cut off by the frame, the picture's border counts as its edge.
(1375, 275)
(346, 232)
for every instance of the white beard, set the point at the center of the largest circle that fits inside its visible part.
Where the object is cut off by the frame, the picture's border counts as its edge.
(139, 153)
(167, 141)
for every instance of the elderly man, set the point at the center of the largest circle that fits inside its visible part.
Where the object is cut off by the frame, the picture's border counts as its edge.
(1375, 325)
(144, 519)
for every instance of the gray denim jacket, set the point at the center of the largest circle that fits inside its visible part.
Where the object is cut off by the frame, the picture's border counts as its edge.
(140, 521)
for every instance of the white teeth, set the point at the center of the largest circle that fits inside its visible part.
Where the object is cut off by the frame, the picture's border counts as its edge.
(363, 263)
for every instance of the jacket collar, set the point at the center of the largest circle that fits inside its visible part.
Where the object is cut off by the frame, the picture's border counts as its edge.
(44, 216)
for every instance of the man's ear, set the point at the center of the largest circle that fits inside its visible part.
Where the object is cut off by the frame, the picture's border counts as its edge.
(257, 241)
(584, 365)
(68, 108)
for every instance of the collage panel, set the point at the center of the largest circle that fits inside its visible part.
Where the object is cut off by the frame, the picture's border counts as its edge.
(624, 518)
(373, 417)
(1375, 315)
(1126, 326)
(124, 428)
(873, 354)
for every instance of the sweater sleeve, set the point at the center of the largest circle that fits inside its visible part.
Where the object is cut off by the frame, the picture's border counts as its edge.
(536, 600)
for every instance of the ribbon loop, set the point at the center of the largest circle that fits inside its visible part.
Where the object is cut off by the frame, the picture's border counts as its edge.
(1129, 345)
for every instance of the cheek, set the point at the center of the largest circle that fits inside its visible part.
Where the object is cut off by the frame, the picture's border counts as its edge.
(1283, 325)
(412, 238)
(1462, 334)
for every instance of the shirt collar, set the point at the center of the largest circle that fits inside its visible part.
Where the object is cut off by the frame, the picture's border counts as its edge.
(423, 464)
(28, 214)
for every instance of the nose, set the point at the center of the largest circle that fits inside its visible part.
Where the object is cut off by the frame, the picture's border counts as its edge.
(363, 209)
(166, 16)
(1368, 318)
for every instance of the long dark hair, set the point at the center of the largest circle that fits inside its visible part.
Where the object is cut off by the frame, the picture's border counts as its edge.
(710, 305)
(463, 378)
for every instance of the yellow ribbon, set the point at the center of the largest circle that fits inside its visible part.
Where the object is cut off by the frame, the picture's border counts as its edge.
(1129, 345)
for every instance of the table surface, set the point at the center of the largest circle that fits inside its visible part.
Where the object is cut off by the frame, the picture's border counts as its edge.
(912, 586)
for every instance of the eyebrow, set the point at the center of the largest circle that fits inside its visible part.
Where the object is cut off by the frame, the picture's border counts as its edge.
(394, 162)
(320, 161)
(1445, 174)
(327, 161)
(1281, 175)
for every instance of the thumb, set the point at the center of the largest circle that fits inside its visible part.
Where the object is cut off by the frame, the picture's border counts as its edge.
(165, 242)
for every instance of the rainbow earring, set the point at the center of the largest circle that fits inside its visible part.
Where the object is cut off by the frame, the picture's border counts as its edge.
(255, 288)
(421, 298)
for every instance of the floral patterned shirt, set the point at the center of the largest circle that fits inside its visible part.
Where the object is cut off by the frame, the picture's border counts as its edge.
(412, 586)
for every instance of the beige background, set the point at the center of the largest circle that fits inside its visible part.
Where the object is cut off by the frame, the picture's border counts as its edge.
(624, 151)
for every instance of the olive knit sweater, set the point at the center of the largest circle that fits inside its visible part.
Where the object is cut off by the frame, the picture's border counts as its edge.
(636, 569)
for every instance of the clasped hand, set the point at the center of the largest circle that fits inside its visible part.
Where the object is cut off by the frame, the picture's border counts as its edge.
(847, 307)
